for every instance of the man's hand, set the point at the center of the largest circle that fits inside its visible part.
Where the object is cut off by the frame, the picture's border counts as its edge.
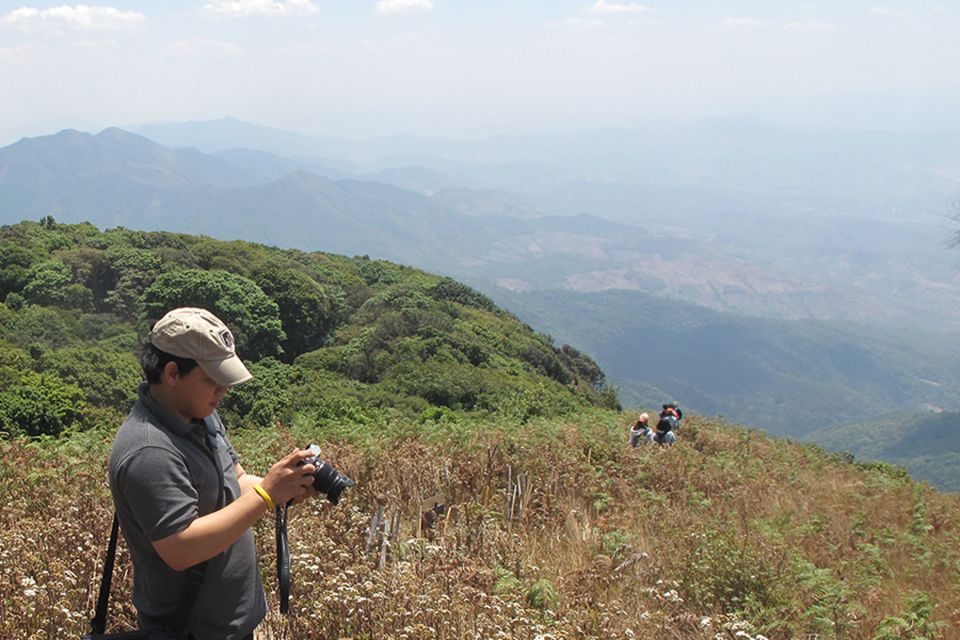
(289, 479)
(208, 535)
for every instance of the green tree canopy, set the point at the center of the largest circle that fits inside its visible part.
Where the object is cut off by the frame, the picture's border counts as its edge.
(39, 404)
(108, 378)
(15, 262)
(47, 282)
(308, 311)
(252, 316)
(131, 271)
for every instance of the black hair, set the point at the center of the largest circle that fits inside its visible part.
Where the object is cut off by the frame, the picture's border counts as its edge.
(153, 361)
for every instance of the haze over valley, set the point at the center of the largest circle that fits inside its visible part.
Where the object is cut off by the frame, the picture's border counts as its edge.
(747, 208)
(759, 272)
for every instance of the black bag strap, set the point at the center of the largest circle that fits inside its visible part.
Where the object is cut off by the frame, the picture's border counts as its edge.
(195, 577)
(99, 622)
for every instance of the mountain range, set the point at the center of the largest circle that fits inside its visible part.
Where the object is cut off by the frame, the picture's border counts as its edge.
(787, 268)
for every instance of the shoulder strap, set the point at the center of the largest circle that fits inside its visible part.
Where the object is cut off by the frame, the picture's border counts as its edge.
(195, 577)
(283, 558)
(99, 622)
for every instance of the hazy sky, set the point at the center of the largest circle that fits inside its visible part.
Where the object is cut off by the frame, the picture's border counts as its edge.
(364, 68)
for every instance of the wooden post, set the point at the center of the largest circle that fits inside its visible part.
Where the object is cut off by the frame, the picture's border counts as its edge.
(374, 527)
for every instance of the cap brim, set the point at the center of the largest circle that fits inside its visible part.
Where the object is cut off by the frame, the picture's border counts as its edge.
(229, 372)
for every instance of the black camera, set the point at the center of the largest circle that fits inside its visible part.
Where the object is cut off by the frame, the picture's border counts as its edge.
(326, 479)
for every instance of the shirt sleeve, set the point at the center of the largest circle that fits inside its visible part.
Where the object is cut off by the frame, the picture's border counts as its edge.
(155, 484)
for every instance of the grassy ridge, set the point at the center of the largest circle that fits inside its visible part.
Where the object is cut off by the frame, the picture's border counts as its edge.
(729, 531)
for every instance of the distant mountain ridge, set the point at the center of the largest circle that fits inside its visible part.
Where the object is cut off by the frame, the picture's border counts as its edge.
(755, 203)
(119, 178)
(113, 153)
(715, 155)
(531, 224)
(744, 261)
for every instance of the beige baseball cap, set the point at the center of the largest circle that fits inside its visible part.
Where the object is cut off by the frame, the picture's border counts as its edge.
(199, 335)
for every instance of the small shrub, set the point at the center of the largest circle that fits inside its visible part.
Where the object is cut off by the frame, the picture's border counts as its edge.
(914, 623)
(543, 595)
(506, 582)
(614, 544)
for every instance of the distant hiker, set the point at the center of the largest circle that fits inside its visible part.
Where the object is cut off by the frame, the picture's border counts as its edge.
(676, 409)
(667, 426)
(641, 431)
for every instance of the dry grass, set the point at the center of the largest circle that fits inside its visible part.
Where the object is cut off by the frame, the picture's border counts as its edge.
(727, 533)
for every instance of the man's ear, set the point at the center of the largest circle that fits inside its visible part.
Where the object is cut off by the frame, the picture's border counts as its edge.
(170, 372)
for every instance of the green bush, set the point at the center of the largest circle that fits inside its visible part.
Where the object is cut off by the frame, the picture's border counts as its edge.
(266, 399)
(543, 595)
(505, 582)
(726, 574)
(245, 308)
(108, 378)
(913, 623)
(39, 404)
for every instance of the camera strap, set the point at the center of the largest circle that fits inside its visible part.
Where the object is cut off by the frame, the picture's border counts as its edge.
(283, 558)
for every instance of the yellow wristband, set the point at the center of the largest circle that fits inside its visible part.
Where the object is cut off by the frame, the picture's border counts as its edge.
(266, 496)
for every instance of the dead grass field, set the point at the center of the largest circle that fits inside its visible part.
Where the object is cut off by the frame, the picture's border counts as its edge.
(548, 530)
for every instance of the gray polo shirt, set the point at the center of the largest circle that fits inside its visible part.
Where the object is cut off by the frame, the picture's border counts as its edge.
(163, 476)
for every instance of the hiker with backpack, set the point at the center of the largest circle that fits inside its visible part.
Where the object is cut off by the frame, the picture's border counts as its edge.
(676, 410)
(641, 432)
(667, 425)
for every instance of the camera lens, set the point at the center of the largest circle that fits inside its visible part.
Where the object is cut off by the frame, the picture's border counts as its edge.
(326, 479)
(331, 482)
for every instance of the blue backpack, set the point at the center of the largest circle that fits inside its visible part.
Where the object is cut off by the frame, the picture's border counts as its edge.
(667, 423)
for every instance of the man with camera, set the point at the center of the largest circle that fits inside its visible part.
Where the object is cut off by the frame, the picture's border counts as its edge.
(185, 504)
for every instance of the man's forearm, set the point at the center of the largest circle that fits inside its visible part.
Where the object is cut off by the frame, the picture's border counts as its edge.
(247, 481)
(211, 534)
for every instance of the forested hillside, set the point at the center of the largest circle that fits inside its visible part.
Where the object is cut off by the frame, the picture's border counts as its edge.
(326, 336)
